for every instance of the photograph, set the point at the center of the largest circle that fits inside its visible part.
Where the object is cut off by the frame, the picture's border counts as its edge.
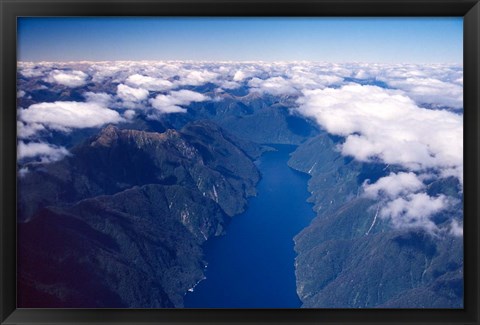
(240, 162)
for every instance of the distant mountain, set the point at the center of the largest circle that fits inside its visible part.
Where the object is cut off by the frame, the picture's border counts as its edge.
(255, 117)
(348, 258)
(121, 221)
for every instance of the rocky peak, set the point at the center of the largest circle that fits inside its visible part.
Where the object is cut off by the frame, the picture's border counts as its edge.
(106, 137)
(112, 134)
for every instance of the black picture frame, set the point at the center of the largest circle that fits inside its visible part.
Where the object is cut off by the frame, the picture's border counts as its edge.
(10, 10)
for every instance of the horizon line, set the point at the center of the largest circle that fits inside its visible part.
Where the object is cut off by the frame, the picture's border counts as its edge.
(240, 61)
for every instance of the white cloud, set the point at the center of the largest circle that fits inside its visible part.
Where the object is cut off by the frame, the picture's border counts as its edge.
(129, 114)
(23, 171)
(149, 83)
(100, 98)
(172, 102)
(32, 70)
(44, 151)
(431, 91)
(20, 93)
(129, 94)
(277, 86)
(244, 73)
(393, 185)
(64, 116)
(68, 78)
(104, 71)
(229, 85)
(28, 130)
(436, 85)
(387, 126)
(382, 124)
(310, 76)
(456, 228)
(415, 211)
(185, 97)
(165, 104)
(401, 202)
(196, 77)
(292, 78)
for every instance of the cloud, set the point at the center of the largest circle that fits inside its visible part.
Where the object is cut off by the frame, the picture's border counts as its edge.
(291, 79)
(310, 76)
(172, 102)
(185, 97)
(393, 185)
(129, 94)
(456, 228)
(196, 77)
(28, 130)
(402, 201)
(32, 70)
(44, 151)
(431, 91)
(415, 211)
(64, 116)
(244, 73)
(68, 78)
(20, 93)
(276, 86)
(23, 171)
(129, 114)
(149, 83)
(100, 98)
(432, 85)
(229, 85)
(382, 124)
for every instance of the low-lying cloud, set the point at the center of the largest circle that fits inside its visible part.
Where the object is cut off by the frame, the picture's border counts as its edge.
(172, 102)
(149, 83)
(393, 185)
(384, 125)
(415, 211)
(276, 86)
(456, 228)
(65, 116)
(129, 94)
(431, 91)
(43, 151)
(100, 98)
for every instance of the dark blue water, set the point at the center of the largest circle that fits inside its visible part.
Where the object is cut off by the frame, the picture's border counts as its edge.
(252, 266)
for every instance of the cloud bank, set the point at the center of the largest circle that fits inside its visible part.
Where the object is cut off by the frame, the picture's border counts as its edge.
(384, 125)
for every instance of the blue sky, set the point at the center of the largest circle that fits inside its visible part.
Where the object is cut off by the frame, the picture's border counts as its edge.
(382, 40)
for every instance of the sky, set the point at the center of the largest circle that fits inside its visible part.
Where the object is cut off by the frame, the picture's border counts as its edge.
(379, 40)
